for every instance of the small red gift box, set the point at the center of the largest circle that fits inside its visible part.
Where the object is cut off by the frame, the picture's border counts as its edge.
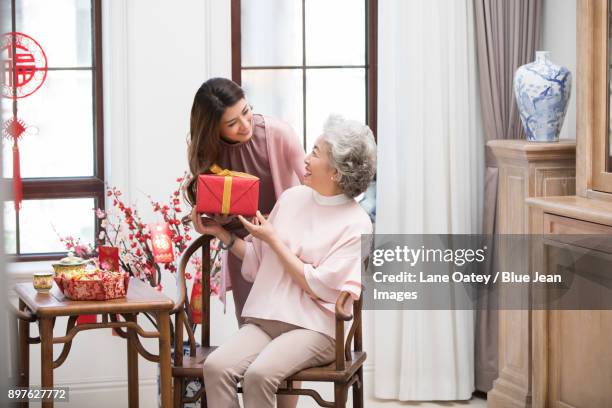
(227, 192)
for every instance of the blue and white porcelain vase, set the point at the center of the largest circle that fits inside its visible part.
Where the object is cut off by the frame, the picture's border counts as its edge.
(542, 91)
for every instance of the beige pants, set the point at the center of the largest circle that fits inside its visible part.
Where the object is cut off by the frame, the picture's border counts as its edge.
(241, 289)
(262, 354)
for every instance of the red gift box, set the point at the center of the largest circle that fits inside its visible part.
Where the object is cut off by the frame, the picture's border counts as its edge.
(98, 285)
(227, 192)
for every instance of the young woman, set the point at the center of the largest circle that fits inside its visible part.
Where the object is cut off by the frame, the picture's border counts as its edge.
(225, 131)
(300, 259)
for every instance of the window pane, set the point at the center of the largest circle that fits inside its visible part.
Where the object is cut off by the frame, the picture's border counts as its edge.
(7, 112)
(61, 27)
(10, 224)
(5, 16)
(329, 91)
(276, 93)
(38, 218)
(60, 140)
(335, 32)
(271, 32)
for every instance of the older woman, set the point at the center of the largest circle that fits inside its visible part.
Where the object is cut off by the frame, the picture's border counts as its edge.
(299, 261)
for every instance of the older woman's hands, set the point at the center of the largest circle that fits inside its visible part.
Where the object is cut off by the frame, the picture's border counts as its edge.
(260, 228)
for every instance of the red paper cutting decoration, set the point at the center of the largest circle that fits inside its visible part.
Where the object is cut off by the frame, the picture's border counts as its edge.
(25, 65)
(162, 244)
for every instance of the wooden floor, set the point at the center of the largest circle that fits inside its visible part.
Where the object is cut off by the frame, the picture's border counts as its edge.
(474, 403)
(371, 402)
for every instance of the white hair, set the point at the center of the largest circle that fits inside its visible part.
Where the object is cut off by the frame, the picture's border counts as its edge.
(352, 152)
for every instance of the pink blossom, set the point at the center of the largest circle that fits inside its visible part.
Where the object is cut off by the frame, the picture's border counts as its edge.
(100, 213)
(80, 250)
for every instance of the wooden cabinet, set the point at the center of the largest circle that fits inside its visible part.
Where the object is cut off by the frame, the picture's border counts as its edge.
(526, 169)
(571, 350)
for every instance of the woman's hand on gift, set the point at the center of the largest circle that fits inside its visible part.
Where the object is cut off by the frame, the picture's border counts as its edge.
(260, 228)
(206, 226)
(222, 219)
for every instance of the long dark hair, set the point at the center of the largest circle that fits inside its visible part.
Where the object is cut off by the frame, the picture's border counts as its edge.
(209, 104)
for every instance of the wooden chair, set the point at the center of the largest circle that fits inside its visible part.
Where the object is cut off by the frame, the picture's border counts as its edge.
(345, 372)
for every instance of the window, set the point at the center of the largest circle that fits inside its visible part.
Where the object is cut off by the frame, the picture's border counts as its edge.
(300, 60)
(61, 153)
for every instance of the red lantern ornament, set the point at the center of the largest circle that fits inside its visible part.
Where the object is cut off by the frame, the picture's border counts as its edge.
(25, 65)
(25, 70)
(196, 302)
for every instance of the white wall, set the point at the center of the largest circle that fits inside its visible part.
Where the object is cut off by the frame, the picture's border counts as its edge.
(558, 36)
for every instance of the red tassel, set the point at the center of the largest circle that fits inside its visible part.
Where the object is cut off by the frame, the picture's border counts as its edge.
(17, 185)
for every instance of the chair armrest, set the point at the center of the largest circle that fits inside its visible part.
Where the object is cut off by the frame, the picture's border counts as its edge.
(343, 307)
(343, 314)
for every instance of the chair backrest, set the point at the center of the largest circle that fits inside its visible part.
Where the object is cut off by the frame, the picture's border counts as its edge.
(183, 312)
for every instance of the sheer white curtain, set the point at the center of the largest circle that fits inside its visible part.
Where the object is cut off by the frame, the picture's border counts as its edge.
(430, 145)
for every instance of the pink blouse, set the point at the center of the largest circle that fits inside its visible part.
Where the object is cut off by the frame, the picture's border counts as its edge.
(325, 233)
(275, 155)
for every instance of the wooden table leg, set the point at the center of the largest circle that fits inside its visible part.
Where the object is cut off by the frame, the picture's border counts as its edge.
(165, 370)
(46, 356)
(132, 358)
(23, 378)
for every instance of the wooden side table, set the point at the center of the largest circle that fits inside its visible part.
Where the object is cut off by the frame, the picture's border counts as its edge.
(44, 308)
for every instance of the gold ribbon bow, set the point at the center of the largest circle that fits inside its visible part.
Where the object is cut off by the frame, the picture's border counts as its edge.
(227, 184)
